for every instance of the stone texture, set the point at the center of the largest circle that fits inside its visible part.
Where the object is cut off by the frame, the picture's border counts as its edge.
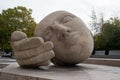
(78, 72)
(31, 52)
(28, 43)
(18, 35)
(34, 51)
(37, 60)
(73, 42)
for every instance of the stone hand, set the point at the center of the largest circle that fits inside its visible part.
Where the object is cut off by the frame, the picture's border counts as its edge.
(31, 52)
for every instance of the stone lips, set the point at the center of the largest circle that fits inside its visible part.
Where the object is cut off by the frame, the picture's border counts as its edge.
(73, 42)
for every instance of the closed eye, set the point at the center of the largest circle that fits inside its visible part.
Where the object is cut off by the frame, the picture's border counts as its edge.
(67, 19)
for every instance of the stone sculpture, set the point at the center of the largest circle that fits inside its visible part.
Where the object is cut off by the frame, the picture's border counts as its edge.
(72, 40)
(31, 52)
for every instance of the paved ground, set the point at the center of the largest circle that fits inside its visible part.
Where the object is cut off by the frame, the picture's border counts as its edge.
(104, 61)
(79, 72)
(6, 60)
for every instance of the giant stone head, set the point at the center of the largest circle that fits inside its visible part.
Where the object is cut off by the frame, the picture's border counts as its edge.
(73, 42)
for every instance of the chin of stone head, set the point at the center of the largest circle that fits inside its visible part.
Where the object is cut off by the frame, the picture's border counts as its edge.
(73, 42)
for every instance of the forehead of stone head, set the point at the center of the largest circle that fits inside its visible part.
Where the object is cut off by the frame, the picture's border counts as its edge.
(57, 16)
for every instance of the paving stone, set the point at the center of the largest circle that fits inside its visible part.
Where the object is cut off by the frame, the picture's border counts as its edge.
(78, 72)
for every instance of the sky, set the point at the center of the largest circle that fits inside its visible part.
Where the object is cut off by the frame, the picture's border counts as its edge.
(81, 8)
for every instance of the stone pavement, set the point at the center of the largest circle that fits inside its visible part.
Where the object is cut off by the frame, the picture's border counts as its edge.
(104, 61)
(78, 72)
(6, 60)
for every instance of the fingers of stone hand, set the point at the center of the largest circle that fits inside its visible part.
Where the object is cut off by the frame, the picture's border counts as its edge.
(27, 43)
(37, 59)
(47, 46)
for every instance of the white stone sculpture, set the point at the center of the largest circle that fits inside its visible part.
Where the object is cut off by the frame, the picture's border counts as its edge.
(72, 40)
